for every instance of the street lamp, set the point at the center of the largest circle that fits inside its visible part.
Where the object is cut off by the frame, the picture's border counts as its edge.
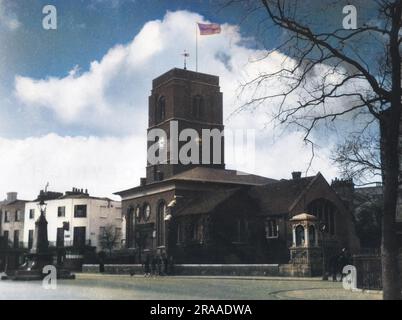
(323, 229)
(42, 243)
(42, 206)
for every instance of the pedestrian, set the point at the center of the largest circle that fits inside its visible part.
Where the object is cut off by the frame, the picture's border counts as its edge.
(153, 265)
(147, 272)
(101, 258)
(171, 266)
(159, 265)
(165, 265)
(333, 263)
(344, 260)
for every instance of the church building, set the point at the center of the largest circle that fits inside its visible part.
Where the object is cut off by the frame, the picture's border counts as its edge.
(204, 213)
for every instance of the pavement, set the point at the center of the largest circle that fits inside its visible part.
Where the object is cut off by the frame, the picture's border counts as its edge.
(125, 287)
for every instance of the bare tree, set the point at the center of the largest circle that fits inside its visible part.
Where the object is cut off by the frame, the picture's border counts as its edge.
(322, 65)
(358, 158)
(109, 237)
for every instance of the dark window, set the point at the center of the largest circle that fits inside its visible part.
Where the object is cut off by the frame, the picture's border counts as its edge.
(17, 215)
(197, 231)
(79, 236)
(30, 239)
(161, 224)
(299, 236)
(80, 211)
(179, 233)
(16, 238)
(6, 236)
(161, 109)
(6, 217)
(61, 211)
(271, 228)
(60, 237)
(198, 106)
(31, 213)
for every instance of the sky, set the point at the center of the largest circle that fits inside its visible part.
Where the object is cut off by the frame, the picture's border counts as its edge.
(73, 101)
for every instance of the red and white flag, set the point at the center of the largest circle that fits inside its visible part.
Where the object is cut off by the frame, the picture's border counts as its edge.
(209, 28)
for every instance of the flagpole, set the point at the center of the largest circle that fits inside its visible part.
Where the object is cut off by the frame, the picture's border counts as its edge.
(196, 47)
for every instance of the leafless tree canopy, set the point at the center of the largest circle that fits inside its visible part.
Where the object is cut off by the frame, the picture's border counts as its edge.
(328, 73)
(353, 65)
(359, 158)
(109, 237)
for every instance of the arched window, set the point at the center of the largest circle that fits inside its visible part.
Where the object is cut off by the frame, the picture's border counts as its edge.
(299, 236)
(130, 222)
(311, 235)
(147, 211)
(198, 106)
(325, 211)
(138, 213)
(160, 223)
(161, 109)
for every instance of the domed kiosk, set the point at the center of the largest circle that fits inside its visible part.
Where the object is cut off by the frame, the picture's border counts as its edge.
(305, 252)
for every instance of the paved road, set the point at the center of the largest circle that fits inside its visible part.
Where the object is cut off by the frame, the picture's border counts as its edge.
(95, 286)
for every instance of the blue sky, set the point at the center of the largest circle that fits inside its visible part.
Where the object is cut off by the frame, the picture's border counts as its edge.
(79, 93)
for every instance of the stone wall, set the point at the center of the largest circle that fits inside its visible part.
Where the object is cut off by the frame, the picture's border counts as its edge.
(193, 269)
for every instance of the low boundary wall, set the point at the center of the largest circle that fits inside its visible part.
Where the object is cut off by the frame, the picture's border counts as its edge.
(192, 269)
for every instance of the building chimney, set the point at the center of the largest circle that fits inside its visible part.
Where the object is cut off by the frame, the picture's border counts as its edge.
(143, 181)
(11, 196)
(296, 175)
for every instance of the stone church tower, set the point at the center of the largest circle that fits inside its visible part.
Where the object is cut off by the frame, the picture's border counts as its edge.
(189, 100)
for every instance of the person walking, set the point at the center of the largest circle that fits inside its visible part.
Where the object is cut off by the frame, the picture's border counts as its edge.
(159, 263)
(165, 265)
(147, 272)
(153, 265)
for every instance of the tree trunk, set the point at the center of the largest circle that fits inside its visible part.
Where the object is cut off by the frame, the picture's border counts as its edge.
(389, 128)
(389, 246)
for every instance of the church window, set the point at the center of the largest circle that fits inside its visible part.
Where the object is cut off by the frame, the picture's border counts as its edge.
(147, 211)
(161, 223)
(271, 228)
(325, 211)
(299, 236)
(161, 109)
(198, 106)
(179, 233)
(138, 213)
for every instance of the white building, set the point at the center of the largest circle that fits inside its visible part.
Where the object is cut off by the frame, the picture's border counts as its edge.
(75, 219)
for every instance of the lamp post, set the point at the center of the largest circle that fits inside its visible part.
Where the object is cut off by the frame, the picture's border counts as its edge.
(153, 241)
(323, 228)
(42, 243)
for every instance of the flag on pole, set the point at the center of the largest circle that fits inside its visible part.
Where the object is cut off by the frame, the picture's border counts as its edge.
(209, 28)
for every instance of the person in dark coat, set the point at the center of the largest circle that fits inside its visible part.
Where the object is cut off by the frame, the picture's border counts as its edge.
(101, 258)
(159, 263)
(147, 271)
(171, 266)
(344, 260)
(165, 265)
(153, 265)
(333, 264)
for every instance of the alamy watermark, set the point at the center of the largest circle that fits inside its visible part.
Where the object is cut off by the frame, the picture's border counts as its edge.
(190, 147)
(49, 282)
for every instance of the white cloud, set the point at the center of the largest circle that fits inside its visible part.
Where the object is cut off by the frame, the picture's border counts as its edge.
(112, 96)
(8, 19)
(103, 165)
